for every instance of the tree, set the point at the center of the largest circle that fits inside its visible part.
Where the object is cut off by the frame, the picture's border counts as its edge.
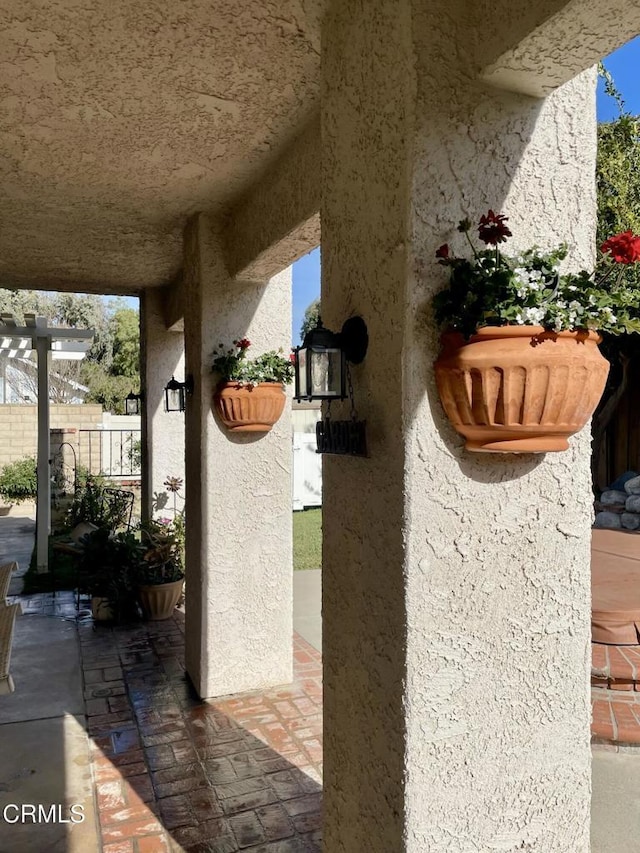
(125, 331)
(110, 369)
(618, 191)
(311, 317)
(104, 388)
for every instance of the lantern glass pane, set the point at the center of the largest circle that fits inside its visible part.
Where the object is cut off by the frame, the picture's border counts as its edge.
(303, 391)
(131, 405)
(173, 400)
(326, 373)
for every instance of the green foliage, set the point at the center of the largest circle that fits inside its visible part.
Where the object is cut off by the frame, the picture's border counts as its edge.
(233, 365)
(108, 569)
(492, 289)
(163, 559)
(77, 310)
(19, 481)
(134, 453)
(107, 390)
(90, 504)
(618, 175)
(125, 328)
(111, 367)
(311, 318)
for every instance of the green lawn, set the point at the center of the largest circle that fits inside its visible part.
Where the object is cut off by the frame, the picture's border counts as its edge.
(307, 539)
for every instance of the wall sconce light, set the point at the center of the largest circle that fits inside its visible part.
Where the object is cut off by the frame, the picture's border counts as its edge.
(175, 394)
(132, 404)
(321, 362)
(322, 373)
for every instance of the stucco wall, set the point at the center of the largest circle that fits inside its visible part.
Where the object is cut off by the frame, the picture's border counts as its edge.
(19, 426)
(239, 545)
(163, 432)
(456, 587)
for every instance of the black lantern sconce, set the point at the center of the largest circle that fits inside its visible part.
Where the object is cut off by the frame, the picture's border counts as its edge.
(175, 394)
(132, 404)
(321, 364)
(322, 373)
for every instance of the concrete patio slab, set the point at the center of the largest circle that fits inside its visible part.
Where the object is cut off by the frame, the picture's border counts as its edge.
(615, 804)
(46, 762)
(307, 606)
(45, 664)
(17, 536)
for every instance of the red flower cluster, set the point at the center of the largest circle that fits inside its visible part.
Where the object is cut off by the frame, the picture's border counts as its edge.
(443, 252)
(492, 229)
(624, 248)
(292, 357)
(243, 343)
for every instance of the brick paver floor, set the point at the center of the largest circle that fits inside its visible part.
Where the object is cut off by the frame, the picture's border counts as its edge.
(174, 773)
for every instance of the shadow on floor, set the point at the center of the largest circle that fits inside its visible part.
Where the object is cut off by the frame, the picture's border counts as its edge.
(243, 773)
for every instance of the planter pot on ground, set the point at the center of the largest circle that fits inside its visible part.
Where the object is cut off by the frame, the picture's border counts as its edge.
(101, 609)
(159, 601)
(249, 409)
(519, 389)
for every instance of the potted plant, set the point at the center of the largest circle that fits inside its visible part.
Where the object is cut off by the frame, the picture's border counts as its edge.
(160, 573)
(520, 370)
(250, 395)
(108, 564)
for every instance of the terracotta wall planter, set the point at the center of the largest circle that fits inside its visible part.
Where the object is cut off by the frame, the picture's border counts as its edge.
(244, 409)
(160, 600)
(519, 389)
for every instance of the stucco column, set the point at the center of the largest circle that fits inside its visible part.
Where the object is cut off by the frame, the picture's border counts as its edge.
(162, 356)
(239, 513)
(456, 598)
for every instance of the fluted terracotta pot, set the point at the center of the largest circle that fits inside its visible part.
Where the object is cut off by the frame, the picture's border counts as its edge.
(519, 389)
(249, 409)
(160, 600)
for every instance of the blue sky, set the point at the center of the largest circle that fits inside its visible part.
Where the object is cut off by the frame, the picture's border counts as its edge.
(623, 65)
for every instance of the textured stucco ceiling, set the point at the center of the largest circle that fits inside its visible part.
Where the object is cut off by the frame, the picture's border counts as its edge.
(119, 119)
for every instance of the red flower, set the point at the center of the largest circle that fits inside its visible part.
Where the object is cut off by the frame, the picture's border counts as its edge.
(624, 248)
(243, 343)
(443, 252)
(292, 357)
(492, 229)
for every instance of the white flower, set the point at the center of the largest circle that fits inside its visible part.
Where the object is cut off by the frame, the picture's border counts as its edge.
(520, 319)
(534, 315)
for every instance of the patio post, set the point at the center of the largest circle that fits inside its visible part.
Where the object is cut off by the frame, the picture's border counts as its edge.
(456, 603)
(162, 356)
(238, 486)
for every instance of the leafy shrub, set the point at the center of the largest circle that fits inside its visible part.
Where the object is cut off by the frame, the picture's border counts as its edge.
(19, 481)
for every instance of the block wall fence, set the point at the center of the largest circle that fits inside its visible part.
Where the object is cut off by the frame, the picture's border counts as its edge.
(19, 426)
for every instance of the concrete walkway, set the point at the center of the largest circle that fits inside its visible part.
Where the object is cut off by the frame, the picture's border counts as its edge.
(43, 739)
(17, 536)
(307, 606)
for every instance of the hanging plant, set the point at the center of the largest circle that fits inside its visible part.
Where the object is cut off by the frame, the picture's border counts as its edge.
(520, 369)
(250, 395)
